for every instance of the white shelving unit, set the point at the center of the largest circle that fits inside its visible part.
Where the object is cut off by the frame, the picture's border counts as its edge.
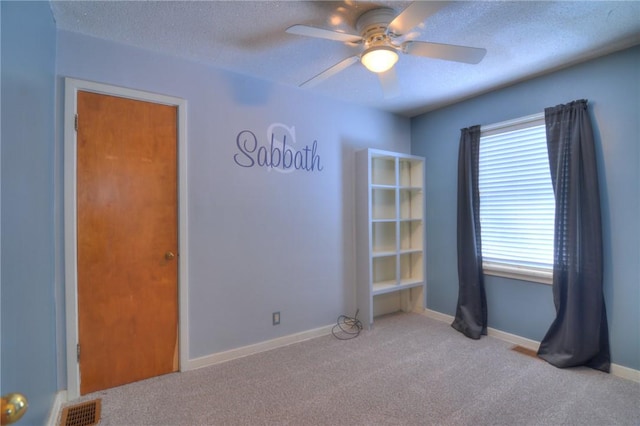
(389, 233)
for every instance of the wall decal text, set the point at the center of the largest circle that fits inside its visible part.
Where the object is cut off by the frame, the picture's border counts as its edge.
(279, 153)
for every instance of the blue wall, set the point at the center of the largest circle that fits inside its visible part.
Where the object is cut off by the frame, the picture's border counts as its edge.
(612, 86)
(28, 309)
(260, 241)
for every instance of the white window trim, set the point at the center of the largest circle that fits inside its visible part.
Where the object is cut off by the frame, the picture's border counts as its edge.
(516, 123)
(537, 275)
(523, 273)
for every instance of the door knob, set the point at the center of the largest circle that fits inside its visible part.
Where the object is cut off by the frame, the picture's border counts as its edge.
(169, 255)
(14, 405)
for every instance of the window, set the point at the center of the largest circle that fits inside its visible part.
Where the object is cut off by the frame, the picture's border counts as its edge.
(516, 200)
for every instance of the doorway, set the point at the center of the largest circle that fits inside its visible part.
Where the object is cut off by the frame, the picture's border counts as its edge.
(123, 269)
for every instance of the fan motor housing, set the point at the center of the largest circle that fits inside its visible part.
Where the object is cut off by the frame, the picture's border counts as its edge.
(372, 26)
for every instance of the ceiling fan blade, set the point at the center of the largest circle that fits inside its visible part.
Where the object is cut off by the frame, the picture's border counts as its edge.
(305, 30)
(412, 15)
(389, 83)
(330, 71)
(448, 52)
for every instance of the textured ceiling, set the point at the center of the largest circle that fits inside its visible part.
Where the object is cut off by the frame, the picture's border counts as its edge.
(522, 38)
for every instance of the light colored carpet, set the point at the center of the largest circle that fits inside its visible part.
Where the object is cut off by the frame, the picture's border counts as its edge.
(407, 370)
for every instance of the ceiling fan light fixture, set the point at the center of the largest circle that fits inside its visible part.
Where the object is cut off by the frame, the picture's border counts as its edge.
(379, 58)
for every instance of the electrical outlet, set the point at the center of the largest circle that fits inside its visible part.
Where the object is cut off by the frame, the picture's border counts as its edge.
(276, 318)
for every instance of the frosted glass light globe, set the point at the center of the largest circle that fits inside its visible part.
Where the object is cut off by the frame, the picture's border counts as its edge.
(379, 58)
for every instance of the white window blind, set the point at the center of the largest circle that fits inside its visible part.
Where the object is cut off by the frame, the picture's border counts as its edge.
(516, 200)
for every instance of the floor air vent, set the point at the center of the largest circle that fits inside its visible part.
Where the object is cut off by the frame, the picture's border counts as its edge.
(525, 351)
(83, 414)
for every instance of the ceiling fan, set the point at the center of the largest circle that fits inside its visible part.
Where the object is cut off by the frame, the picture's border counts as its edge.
(379, 30)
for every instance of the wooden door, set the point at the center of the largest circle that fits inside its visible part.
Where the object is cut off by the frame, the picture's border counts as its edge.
(127, 240)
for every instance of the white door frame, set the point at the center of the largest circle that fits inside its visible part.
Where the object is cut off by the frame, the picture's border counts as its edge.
(72, 86)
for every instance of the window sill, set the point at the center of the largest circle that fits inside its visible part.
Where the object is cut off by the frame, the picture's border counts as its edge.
(523, 273)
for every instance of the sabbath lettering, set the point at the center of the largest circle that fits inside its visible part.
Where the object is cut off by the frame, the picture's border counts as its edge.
(279, 153)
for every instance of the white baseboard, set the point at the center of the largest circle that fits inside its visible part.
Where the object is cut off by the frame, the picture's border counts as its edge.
(513, 338)
(279, 342)
(616, 370)
(625, 372)
(56, 408)
(437, 316)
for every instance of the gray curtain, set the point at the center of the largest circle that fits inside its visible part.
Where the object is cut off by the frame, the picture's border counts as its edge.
(579, 334)
(471, 311)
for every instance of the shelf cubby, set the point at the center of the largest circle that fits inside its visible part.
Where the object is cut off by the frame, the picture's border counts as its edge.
(411, 268)
(411, 235)
(383, 203)
(384, 270)
(410, 203)
(383, 171)
(410, 173)
(383, 237)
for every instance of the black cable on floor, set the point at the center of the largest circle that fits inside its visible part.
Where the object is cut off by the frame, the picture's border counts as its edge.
(347, 327)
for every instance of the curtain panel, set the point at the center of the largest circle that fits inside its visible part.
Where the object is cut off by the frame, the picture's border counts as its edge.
(579, 334)
(471, 310)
